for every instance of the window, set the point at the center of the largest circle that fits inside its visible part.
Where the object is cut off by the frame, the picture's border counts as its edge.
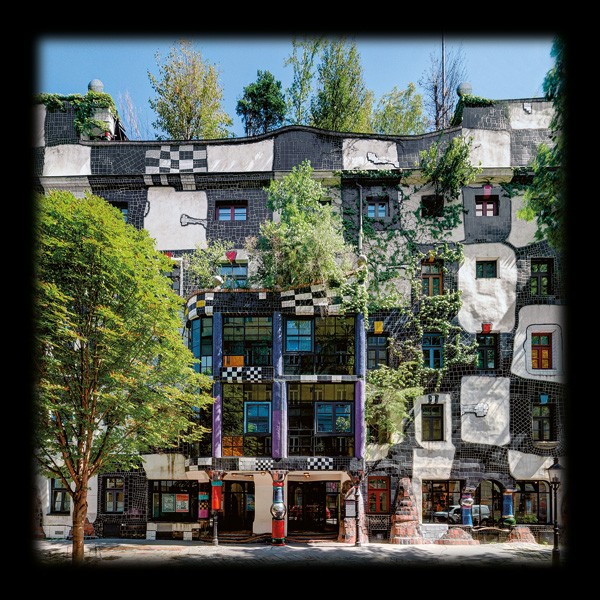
(235, 275)
(432, 422)
(486, 269)
(378, 494)
(532, 502)
(231, 211)
(432, 346)
(249, 338)
(175, 500)
(377, 209)
(200, 342)
(333, 417)
(541, 277)
(432, 206)
(376, 351)
(487, 351)
(299, 335)
(542, 416)
(486, 206)
(432, 277)
(320, 419)
(438, 496)
(246, 418)
(257, 417)
(541, 350)
(113, 495)
(124, 208)
(60, 498)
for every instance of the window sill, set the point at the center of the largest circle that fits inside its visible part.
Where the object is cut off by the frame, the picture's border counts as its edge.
(549, 445)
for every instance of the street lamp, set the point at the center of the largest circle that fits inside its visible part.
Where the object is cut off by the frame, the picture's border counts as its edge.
(554, 475)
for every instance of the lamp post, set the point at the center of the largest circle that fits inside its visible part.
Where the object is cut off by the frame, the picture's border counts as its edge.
(554, 475)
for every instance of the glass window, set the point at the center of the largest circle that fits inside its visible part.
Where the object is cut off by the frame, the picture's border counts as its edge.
(235, 275)
(486, 207)
(175, 500)
(231, 212)
(487, 352)
(299, 335)
(60, 498)
(124, 208)
(541, 276)
(257, 417)
(439, 496)
(542, 422)
(433, 344)
(432, 277)
(377, 209)
(432, 422)
(113, 495)
(532, 502)
(334, 417)
(249, 339)
(200, 342)
(486, 269)
(541, 351)
(377, 353)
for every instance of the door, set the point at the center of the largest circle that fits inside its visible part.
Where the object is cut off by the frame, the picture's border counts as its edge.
(313, 506)
(238, 506)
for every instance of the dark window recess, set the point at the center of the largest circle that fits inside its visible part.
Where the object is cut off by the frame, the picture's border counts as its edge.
(432, 206)
(540, 283)
(486, 269)
(432, 422)
(487, 351)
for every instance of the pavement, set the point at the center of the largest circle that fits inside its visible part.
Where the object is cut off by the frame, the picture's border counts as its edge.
(118, 554)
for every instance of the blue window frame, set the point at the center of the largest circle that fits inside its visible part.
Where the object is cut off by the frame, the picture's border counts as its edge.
(433, 346)
(200, 342)
(333, 417)
(257, 417)
(299, 335)
(235, 275)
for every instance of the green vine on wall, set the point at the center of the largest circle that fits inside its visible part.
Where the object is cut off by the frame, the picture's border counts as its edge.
(467, 100)
(85, 108)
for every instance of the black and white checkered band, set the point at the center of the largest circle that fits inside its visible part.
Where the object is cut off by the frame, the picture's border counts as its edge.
(320, 463)
(311, 299)
(185, 158)
(241, 374)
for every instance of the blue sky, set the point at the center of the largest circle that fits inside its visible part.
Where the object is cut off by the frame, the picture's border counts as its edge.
(498, 68)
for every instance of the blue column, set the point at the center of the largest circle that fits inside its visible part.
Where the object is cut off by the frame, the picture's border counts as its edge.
(360, 434)
(279, 399)
(217, 420)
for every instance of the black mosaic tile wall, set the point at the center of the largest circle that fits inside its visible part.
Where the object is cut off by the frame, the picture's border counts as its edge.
(118, 158)
(132, 192)
(409, 149)
(486, 229)
(486, 117)
(59, 127)
(292, 147)
(524, 144)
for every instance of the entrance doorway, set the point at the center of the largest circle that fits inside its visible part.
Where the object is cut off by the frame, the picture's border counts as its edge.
(313, 505)
(238, 506)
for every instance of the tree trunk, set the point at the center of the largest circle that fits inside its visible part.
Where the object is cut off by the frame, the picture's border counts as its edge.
(79, 515)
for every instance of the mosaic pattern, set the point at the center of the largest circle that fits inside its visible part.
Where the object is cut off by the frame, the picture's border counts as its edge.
(312, 300)
(319, 463)
(241, 374)
(188, 158)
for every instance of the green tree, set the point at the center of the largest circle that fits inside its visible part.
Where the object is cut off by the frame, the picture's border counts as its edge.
(307, 244)
(204, 263)
(262, 107)
(342, 102)
(189, 97)
(400, 112)
(298, 95)
(113, 378)
(544, 198)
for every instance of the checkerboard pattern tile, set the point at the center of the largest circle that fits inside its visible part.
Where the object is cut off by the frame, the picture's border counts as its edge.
(312, 299)
(320, 463)
(187, 158)
(199, 304)
(241, 374)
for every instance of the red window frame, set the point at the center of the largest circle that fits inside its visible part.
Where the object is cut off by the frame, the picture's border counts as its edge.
(486, 207)
(541, 353)
(378, 494)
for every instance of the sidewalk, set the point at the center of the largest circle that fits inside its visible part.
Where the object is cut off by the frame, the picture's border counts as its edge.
(157, 554)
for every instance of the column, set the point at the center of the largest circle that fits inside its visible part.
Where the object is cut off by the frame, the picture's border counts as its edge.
(278, 509)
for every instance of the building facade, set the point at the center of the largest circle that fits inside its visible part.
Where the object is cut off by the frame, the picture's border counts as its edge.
(290, 368)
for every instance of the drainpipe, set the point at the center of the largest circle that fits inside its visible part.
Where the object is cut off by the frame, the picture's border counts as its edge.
(360, 219)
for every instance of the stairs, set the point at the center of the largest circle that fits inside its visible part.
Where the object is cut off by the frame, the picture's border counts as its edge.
(247, 537)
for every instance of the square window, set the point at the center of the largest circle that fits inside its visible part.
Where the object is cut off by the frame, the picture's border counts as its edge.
(486, 206)
(432, 206)
(233, 211)
(486, 269)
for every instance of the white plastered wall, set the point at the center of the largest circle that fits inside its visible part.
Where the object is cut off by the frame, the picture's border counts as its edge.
(255, 156)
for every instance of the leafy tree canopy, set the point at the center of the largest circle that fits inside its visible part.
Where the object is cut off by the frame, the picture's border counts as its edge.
(400, 112)
(262, 107)
(188, 97)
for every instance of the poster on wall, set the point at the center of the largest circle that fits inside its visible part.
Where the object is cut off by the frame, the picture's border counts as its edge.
(168, 502)
(250, 502)
(182, 502)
